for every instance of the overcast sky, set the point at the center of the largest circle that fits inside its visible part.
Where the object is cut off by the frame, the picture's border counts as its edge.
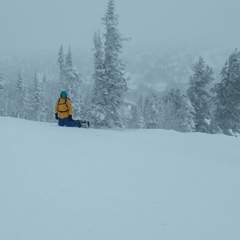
(45, 24)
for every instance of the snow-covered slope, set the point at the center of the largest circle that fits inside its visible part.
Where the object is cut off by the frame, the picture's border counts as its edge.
(87, 184)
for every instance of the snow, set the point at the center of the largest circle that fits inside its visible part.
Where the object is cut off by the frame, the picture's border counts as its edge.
(89, 184)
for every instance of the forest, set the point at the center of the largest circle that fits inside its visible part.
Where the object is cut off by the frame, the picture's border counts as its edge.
(114, 90)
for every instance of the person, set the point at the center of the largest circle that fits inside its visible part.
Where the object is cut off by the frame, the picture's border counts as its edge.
(63, 112)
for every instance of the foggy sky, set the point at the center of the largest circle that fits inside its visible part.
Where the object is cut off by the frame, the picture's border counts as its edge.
(46, 24)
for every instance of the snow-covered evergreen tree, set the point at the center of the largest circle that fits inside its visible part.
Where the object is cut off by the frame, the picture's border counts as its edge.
(68, 72)
(199, 95)
(2, 91)
(79, 108)
(21, 100)
(48, 113)
(140, 110)
(135, 119)
(150, 112)
(140, 104)
(172, 103)
(38, 108)
(227, 96)
(178, 112)
(185, 116)
(141, 122)
(62, 67)
(160, 109)
(97, 109)
(115, 80)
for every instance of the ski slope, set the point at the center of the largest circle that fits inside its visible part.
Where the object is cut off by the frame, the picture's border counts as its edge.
(90, 184)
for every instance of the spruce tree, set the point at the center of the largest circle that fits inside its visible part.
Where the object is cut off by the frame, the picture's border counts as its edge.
(199, 95)
(37, 104)
(178, 112)
(160, 109)
(2, 92)
(135, 117)
(185, 116)
(69, 65)
(79, 108)
(150, 112)
(172, 103)
(141, 122)
(46, 100)
(148, 119)
(140, 109)
(97, 110)
(227, 95)
(74, 80)
(115, 81)
(62, 67)
(21, 98)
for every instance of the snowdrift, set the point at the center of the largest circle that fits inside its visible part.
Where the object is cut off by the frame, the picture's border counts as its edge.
(89, 184)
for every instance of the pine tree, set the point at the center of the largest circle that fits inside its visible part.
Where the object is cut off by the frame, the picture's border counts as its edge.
(97, 109)
(141, 123)
(2, 91)
(62, 67)
(46, 101)
(147, 112)
(135, 117)
(140, 109)
(140, 104)
(37, 104)
(21, 98)
(199, 95)
(150, 112)
(74, 80)
(115, 81)
(160, 110)
(185, 116)
(227, 95)
(79, 108)
(172, 103)
(178, 112)
(68, 72)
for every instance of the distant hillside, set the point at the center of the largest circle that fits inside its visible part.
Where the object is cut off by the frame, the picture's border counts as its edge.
(159, 68)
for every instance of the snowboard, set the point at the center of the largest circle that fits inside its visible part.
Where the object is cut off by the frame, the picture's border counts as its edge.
(85, 124)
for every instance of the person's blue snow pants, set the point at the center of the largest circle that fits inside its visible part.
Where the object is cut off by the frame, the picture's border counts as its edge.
(66, 122)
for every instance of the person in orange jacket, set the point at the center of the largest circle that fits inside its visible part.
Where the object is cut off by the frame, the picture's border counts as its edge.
(63, 112)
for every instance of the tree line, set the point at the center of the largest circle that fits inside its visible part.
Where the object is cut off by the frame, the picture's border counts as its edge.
(204, 107)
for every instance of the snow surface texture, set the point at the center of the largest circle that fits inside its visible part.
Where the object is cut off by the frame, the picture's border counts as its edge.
(88, 184)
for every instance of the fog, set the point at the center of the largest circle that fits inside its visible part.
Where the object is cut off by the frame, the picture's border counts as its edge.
(34, 25)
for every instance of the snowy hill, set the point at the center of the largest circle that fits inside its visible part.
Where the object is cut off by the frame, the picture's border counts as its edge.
(69, 183)
(166, 68)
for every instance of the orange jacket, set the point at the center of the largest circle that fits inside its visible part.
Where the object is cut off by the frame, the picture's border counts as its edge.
(63, 107)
